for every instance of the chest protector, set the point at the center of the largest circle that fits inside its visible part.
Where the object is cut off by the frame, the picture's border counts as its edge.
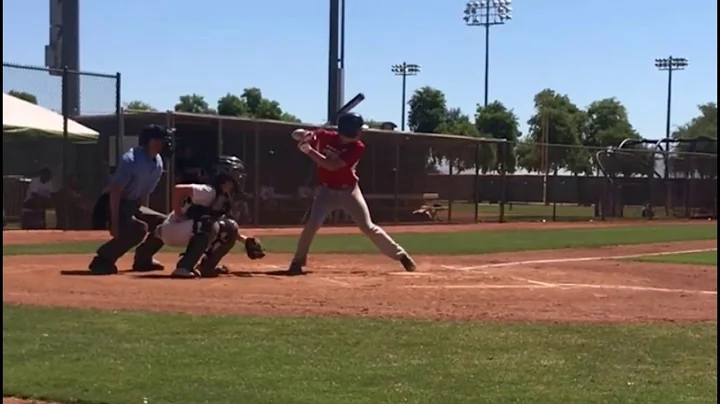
(221, 206)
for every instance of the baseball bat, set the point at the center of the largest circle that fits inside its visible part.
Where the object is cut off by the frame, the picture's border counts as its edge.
(350, 105)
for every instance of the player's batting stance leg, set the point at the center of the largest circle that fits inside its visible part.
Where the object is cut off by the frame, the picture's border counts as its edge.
(336, 155)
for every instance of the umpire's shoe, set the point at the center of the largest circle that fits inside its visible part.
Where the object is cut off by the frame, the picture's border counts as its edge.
(149, 266)
(102, 266)
(182, 273)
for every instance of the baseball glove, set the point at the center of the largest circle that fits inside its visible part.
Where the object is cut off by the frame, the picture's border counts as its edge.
(254, 249)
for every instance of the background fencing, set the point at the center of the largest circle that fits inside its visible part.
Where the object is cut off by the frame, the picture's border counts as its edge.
(78, 165)
(420, 178)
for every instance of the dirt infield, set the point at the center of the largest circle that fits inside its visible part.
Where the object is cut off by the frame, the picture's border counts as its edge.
(11, 237)
(560, 286)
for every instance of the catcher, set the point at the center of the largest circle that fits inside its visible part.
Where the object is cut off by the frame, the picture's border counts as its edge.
(202, 221)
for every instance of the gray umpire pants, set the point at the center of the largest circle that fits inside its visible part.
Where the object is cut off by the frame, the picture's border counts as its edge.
(136, 225)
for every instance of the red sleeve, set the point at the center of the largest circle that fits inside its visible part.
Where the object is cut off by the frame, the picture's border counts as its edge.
(322, 133)
(353, 154)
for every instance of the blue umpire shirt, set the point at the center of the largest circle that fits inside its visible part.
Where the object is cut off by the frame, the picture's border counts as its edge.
(137, 174)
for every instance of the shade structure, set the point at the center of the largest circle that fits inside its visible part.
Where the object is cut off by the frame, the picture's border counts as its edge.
(24, 118)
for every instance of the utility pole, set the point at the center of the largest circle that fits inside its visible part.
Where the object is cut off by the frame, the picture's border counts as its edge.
(487, 13)
(404, 70)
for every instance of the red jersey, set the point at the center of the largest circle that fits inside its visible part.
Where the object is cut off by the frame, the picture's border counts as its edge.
(329, 144)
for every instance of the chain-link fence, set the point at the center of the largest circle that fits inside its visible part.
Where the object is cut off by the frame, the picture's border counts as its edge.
(419, 178)
(53, 167)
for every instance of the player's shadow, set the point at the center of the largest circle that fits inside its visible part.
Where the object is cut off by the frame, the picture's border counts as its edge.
(86, 272)
(275, 273)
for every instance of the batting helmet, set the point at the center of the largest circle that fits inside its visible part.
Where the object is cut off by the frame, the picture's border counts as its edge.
(157, 132)
(349, 123)
(229, 168)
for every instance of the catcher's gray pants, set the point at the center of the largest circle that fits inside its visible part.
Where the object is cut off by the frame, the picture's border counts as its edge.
(136, 223)
(350, 200)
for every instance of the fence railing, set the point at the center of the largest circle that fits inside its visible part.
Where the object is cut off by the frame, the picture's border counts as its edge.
(416, 178)
(76, 164)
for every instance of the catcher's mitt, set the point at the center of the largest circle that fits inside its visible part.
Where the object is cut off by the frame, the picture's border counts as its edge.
(254, 249)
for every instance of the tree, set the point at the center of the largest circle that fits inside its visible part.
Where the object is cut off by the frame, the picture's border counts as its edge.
(193, 103)
(251, 103)
(497, 122)
(705, 124)
(25, 96)
(527, 155)
(428, 110)
(462, 156)
(287, 117)
(232, 105)
(700, 156)
(607, 124)
(137, 105)
(564, 122)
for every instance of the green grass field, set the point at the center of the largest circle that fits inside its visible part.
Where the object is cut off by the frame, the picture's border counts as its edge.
(123, 357)
(696, 258)
(477, 242)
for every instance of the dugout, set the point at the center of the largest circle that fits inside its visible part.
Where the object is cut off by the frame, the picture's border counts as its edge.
(393, 173)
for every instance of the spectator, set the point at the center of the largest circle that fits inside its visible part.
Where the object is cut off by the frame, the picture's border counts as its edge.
(37, 200)
(73, 209)
(187, 169)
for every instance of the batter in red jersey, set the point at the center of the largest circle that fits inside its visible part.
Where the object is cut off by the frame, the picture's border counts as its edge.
(337, 154)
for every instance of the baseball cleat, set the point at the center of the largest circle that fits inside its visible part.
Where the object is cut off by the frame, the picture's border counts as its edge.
(408, 263)
(182, 273)
(295, 269)
(147, 266)
(101, 266)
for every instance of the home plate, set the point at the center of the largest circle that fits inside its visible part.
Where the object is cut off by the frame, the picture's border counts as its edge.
(410, 273)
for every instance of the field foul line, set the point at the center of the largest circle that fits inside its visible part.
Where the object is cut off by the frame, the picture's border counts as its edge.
(543, 285)
(564, 260)
(335, 282)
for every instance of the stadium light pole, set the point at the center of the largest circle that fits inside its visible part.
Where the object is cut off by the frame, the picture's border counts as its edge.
(669, 64)
(404, 70)
(487, 13)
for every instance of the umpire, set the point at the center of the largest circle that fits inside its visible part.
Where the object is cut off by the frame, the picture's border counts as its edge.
(123, 205)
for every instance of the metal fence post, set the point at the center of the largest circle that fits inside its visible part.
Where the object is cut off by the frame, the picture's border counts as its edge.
(65, 211)
(396, 203)
(451, 195)
(476, 188)
(256, 187)
(170, 177)
(120, 120)
(503, 179)
(220, 137)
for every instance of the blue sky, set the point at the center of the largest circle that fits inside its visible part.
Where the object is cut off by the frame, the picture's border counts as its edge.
(587, 49)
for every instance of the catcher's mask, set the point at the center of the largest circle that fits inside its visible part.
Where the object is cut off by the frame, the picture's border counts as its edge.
(157, 132)
(230, 168)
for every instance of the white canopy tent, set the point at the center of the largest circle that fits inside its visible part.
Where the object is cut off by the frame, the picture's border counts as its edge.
(21, 117)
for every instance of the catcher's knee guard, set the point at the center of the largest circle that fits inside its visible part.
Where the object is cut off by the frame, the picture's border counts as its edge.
(222, 244)
(204, 230)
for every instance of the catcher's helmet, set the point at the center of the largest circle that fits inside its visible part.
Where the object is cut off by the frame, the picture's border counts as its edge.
(229, 168)
(157, 132)
(349, 123)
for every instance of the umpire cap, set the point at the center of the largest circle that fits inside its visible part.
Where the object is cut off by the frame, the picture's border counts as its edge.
(157, 132)
(349, 123)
